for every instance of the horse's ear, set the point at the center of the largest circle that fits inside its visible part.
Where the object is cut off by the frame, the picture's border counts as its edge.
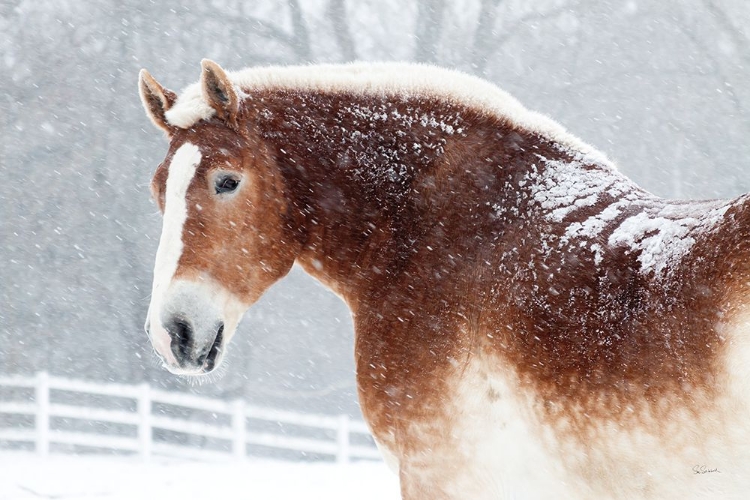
(156, 100)
(219, 91)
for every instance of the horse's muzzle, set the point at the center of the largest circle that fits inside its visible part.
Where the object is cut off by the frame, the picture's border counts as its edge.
(190, 324)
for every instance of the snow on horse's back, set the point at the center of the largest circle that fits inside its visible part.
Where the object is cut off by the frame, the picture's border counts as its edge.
(529, 323)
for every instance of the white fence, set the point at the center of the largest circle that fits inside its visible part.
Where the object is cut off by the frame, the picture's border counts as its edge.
(230, 432)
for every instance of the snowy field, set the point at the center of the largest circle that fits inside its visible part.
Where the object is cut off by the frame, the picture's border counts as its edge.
(92, 478)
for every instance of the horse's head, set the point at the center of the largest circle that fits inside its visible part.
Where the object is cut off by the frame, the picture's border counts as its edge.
(223, 241)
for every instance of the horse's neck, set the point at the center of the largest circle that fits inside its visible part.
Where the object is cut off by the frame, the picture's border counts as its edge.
(371, 177)
(377, 183)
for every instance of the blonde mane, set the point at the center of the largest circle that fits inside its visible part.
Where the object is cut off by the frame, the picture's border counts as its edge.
(386, 79)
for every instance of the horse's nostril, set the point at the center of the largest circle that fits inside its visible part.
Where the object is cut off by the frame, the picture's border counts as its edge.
(213, 353)
(181, 334)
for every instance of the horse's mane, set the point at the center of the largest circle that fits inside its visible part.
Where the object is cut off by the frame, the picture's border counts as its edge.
(387, 79)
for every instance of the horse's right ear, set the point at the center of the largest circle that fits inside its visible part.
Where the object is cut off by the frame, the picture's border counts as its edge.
(156, 100)
(219, 91)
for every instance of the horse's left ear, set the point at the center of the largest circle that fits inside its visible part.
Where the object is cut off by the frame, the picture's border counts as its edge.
(156, 100)
(219, 91)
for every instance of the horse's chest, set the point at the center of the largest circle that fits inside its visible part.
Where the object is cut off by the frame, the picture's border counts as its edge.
(474, 442)
(482, 445)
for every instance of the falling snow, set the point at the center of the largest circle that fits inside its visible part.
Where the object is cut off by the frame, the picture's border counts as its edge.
(78, 233)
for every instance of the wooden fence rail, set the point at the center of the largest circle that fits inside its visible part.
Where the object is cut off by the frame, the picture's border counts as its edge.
(237, 427)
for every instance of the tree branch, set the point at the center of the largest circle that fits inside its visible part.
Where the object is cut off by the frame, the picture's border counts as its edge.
(429, 26)
(270, 31)
(301, 34)
(710, 54)
(483, 36)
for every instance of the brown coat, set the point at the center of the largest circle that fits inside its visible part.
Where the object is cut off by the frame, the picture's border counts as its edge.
(529, 323)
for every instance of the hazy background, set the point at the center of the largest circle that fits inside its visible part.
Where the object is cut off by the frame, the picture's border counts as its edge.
(661, 87)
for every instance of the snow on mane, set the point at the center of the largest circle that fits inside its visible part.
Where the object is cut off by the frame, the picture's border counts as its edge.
(384, 79)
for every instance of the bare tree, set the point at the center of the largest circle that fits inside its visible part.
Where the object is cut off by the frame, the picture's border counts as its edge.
(484, 36)
(428, 29)
(339, 23)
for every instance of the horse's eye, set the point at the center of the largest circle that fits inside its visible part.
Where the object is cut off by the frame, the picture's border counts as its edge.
(226, 184)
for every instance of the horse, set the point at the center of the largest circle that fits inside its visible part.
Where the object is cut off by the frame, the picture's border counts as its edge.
(529, 323)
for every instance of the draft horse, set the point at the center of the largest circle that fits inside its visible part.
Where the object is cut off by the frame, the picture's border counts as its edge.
(529, 322)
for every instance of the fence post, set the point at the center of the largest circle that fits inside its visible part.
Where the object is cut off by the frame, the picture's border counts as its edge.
(144, 423)
(42, 413)
(342, 440)
(239, 427)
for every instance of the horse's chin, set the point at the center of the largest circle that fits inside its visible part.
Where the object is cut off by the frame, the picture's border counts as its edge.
(187, 372)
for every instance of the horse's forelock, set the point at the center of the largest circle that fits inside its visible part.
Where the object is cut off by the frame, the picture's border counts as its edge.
(190, 108)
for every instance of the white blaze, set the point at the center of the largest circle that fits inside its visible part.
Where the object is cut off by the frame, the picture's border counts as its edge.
(181, 172)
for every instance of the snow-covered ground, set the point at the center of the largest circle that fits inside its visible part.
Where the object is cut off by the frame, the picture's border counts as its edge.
(65, 477)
